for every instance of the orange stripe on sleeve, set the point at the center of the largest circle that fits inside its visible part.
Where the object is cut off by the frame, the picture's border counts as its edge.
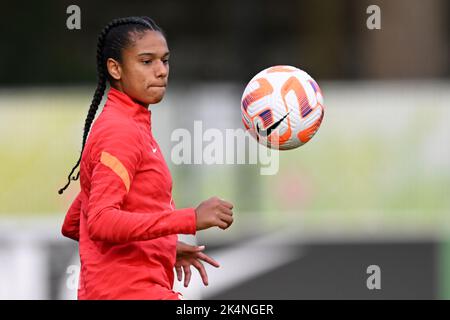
(115, 165)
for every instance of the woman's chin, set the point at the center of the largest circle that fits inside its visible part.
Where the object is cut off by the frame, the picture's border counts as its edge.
(145, 101)
(156, 99)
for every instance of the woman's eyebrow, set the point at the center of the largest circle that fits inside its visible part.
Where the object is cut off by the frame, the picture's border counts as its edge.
(152, 54)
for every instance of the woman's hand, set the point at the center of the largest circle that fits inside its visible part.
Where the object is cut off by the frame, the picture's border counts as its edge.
(188, 255)
(214, 212)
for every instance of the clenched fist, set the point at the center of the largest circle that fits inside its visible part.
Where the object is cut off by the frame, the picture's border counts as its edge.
(214, 212)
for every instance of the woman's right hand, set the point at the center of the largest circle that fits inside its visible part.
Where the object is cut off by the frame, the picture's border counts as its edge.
(214, 212)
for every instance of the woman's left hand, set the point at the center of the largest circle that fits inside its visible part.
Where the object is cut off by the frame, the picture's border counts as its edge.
(188, 255)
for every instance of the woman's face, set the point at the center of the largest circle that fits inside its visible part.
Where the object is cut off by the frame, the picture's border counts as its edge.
(144, 70)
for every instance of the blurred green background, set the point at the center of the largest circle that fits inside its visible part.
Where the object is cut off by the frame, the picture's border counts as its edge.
(371, 166)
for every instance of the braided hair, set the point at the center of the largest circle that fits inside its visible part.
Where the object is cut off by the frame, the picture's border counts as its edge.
(115, 37)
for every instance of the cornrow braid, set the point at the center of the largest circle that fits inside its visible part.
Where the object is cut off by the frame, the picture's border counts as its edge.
(111, 41)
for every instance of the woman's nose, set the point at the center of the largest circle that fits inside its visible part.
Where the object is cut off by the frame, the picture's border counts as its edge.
(161, 69)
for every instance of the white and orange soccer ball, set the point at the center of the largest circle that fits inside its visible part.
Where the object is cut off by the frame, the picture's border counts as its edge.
(282, 107)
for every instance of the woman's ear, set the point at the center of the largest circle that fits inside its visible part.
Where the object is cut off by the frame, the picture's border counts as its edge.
(114, 68)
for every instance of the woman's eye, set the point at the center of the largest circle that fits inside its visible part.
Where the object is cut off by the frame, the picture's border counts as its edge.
(166, 61)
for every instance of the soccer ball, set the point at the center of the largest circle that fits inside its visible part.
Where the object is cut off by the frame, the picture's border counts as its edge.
(282, 107)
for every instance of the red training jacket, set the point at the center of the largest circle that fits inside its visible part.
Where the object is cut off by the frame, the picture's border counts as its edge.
(124, 216)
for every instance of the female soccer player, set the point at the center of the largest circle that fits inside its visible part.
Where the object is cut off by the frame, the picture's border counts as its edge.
(124, 216)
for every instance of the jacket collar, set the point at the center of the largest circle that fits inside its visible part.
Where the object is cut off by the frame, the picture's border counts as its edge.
(122, 102)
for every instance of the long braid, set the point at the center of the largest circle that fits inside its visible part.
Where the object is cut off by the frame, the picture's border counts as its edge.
(102, 76)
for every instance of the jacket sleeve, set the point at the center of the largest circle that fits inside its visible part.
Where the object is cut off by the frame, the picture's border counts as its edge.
(115, 160)
(71, 225)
